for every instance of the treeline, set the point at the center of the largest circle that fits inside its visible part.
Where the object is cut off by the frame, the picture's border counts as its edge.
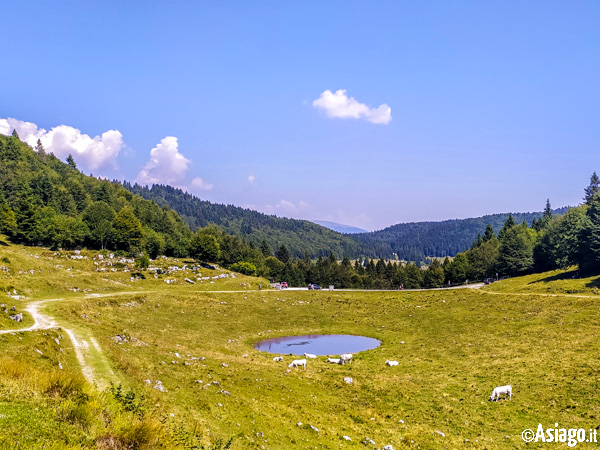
(552, 242)
(44, 201)
(418, 240)
(300, 237)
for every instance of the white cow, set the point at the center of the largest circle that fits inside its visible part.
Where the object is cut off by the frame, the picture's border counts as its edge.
(391, 363)
(278, 358)
(298, 362)
(346, 358)
(334, 360)
(506, 391)
(310, 355)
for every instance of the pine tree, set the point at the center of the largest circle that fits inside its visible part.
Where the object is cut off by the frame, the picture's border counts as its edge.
(510, 222)
(283, 254)
(71, 161)
(489, 233)
(39, 148)
(592, 188)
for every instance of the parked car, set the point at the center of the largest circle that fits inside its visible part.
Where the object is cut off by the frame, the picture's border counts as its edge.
(314, 287)
(284, 285)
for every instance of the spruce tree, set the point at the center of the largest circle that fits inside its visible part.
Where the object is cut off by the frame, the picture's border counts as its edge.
(71, 161)
(489, 233)
(592, 188)
(39, 148)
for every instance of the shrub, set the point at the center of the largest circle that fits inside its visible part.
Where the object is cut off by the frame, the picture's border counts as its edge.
(244, 267)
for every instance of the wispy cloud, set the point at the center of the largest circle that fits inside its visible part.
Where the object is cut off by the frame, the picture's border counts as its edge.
(339, 105)
(285, 208)
(89, 153)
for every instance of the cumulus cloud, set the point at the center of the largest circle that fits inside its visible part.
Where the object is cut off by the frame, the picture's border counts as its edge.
(89, 153)
(339, 105)
(251, 179)
(166, 164)
(198, 184)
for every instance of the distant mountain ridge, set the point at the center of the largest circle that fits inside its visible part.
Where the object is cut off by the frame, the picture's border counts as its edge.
(414, 241)
(340, 228)
(407, 241)
(301, 237)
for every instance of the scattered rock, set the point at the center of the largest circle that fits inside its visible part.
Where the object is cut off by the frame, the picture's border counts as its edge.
(60, 365)
(348, 380)
(38, 351)
(57, 341)
(225, 365)
(387, 447)
(159, 386)
(187, 280)
(13, 308)
(440, 433)
(314, 428)
(147, 381)
(17, 317)
(347, 438)
(223, 391)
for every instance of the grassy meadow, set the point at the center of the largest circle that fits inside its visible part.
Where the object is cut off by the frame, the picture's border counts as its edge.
(538, 333)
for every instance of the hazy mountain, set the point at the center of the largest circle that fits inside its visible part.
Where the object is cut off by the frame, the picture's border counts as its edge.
(340, 228)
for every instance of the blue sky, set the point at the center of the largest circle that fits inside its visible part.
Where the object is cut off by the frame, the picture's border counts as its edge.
(362, 113)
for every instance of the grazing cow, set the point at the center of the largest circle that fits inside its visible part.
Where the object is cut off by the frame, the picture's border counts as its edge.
(334, 360)
(346, 358)
(278, 358)
(310, 355)
(391, 363)
(298, 362)
(506, 391)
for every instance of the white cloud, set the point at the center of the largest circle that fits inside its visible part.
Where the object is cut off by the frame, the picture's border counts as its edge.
(339, 105)
(251, 179)
(89, 153)
(285, 208)
(198, 184)
(166, 164)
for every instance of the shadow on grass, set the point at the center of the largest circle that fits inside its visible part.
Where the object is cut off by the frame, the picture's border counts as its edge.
(594, 283)
(571, 274)
(3, 243)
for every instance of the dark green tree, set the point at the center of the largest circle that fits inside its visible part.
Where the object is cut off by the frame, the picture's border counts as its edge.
(516, 250)
(204, 247)
(266, 249)
(283, 254)
(489, 233)
(39, 148)
(588, 255)
(128, 231)
(71, 161)
(99, 217)
(592, 189)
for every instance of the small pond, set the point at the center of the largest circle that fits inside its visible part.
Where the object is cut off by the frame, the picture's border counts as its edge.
(318, 344)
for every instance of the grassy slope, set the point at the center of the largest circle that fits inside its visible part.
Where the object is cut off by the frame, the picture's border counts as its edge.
(458, 345)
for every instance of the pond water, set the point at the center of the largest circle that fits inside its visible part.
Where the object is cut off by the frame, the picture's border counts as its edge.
(318, 344)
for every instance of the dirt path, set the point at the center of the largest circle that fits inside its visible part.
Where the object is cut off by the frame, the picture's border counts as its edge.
(94, 363)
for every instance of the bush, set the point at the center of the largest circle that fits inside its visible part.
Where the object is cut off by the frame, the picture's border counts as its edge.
(245, 268)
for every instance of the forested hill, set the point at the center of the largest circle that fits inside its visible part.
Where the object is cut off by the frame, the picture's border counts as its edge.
(414, 241)
(299, 236)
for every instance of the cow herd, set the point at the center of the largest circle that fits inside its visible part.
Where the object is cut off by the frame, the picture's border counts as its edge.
(346, 358)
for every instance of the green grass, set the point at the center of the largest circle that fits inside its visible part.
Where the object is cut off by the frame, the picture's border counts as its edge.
(453, 346)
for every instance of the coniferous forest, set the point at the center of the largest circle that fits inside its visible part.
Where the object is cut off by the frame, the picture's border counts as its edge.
(47, 202)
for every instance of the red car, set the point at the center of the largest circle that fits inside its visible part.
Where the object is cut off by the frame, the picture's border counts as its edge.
(284, 285)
